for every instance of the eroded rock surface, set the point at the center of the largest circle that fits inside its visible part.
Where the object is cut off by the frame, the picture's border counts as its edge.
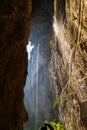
(14, 31)
(69, 62)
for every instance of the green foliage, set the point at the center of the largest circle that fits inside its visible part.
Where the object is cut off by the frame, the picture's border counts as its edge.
(51, 42)
(56, 126)
(75, 17)
(77, 44)
(55, 103)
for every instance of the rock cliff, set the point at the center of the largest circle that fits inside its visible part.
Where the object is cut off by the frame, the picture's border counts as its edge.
(14, 30)
(68, 65)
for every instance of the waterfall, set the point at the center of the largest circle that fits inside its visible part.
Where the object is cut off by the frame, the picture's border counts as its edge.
(38, 92)
(37, 87)
(59, 31)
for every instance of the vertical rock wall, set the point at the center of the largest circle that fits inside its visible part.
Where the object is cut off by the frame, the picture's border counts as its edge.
(69, 62)
(14, 31)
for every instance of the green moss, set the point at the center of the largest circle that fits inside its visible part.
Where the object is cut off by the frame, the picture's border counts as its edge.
(56, 126)
(55, 103)
(51, 42)
(77, 44)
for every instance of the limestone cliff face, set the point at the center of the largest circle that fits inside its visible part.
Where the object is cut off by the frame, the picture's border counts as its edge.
(69, 62)
(14, 31)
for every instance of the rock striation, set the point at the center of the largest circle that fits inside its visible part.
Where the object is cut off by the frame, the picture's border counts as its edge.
(15, 17)
(68, 65)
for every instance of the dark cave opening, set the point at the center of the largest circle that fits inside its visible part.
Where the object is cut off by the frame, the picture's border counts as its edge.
(38, 90)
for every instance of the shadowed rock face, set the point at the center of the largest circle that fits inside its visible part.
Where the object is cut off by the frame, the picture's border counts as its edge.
(14, 30)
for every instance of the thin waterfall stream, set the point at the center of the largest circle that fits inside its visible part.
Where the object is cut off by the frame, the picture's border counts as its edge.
(37, 64)
(38, 91)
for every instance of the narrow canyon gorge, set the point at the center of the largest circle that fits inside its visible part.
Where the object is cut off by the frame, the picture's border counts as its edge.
(43, 64)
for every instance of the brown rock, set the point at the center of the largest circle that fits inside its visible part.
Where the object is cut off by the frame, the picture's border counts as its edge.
(69, 62)
(14, 31)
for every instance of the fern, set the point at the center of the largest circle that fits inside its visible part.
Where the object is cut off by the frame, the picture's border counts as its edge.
(56, 126)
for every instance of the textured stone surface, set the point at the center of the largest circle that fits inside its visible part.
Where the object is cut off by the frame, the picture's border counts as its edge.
(69, 62)
(14, 31)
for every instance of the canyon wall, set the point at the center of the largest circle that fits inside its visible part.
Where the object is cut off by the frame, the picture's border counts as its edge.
(15, 19)
(68, 65)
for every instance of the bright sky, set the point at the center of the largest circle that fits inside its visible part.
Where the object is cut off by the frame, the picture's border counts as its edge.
(29, 49)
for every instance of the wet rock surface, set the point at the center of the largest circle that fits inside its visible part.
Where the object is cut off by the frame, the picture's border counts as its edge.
(69, 62)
